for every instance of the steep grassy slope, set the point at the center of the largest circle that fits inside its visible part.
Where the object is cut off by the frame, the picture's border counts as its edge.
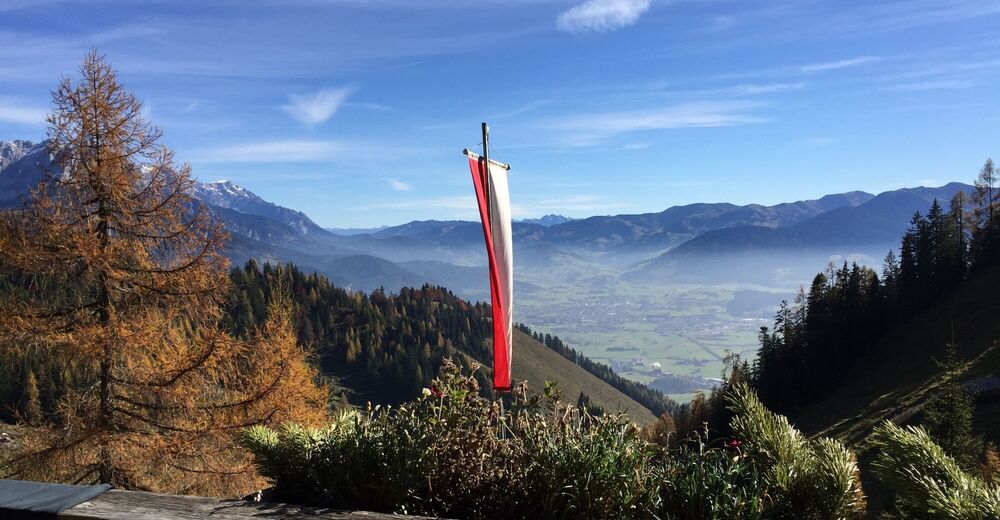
(536, 364)
(893, 381)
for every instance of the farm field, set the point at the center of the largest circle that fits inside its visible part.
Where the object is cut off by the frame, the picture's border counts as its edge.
(674, 337)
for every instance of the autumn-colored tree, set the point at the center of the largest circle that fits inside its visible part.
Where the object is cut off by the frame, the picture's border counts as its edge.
(124, 281)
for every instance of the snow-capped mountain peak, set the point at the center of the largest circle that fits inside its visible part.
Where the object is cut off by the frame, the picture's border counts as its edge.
(22, 165)
(11, 151)
(229, 195)
(226, 194)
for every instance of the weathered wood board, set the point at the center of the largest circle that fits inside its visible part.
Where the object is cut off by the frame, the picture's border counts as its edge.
(136, 505)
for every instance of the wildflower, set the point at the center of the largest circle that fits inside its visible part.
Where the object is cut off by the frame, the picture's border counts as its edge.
(435, 392)
(735, 443)
(426, 392)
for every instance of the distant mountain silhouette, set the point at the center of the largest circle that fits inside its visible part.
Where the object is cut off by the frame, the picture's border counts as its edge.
(704, 241)
(547, 220)
(866, 230)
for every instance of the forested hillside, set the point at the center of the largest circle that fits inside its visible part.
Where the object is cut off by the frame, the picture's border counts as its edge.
(383, 348)
(839, 320)
(386, 348)
(917, 344)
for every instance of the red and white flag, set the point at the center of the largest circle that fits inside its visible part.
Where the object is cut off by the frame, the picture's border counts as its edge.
(494, 210)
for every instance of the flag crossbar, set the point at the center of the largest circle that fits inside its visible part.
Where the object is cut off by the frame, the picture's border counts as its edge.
(475, 156)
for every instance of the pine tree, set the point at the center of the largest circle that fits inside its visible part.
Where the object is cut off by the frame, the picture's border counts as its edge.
(949, 412)
(983, 200)
(908, 260)
(958, 241)
(890, 274)
(125, 280)
(937, 246)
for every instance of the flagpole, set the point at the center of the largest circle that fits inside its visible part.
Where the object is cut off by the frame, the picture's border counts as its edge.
(486, 167)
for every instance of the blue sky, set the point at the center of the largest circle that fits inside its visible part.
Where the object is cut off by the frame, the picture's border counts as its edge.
(356, 111)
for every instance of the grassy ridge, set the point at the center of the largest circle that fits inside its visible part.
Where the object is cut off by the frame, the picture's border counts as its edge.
(536, 364)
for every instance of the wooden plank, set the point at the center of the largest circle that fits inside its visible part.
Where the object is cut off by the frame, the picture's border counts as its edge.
(137, 505)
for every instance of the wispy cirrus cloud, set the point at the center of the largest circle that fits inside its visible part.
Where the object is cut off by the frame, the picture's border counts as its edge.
(304, 151)
(841, 64)
(903, 15)
(601, 15)
(21, 114)
(464, 203)
(588, 129)
(313, 109)
(722, 23)
(574, 204)
(277, 151)
(766, 88)
(944, 84)
(398, 185)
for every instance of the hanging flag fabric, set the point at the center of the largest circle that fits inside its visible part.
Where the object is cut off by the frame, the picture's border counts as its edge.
(494, 210)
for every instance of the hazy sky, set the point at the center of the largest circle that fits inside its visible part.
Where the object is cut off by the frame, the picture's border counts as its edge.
(356, 111)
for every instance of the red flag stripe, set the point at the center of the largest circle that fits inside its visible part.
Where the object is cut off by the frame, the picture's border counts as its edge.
(501, 352)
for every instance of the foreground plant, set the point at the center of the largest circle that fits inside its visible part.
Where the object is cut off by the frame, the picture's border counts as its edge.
(453, 453)
(927, 482)
(808, 478)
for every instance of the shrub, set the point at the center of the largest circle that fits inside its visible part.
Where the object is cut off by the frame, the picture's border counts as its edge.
(700, 482)
(454, 453)
(927, 482)
(807, 478)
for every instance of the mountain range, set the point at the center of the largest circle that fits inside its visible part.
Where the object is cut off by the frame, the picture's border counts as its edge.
(684, 243)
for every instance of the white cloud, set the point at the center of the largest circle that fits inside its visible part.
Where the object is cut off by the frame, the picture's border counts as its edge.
(902, 15)
(574, 204)
(354, 152)
(766, 88)
(369, 106)
(276, 151)
(313, 109)
(586, 129)
(14, 113)
(465, 203)
(841, 64)
(945, 84)
(399, 185)
(602, 15)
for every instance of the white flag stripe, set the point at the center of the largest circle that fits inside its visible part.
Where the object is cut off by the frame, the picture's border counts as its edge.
(503, 248)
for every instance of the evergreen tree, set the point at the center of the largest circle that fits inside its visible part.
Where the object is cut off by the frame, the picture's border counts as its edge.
(957, 241)
(949, 412)
(890, 275)
(983, 200)
(908, 258)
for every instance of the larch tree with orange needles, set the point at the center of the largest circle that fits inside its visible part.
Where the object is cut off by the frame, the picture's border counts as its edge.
(123, 281)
